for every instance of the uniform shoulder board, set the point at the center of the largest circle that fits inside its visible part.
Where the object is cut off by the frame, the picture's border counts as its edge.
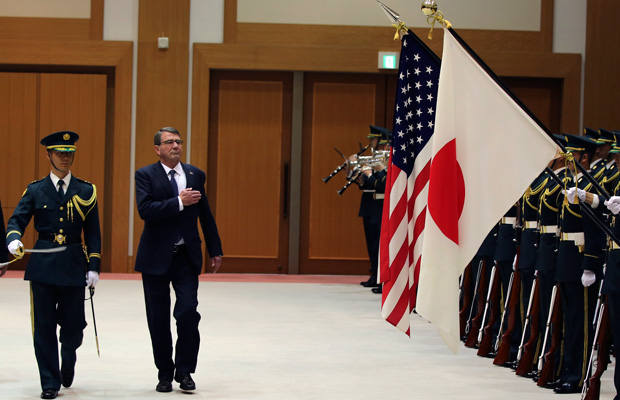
(83, 181)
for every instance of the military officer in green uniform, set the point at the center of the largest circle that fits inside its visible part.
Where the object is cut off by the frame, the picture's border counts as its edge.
(64, 208)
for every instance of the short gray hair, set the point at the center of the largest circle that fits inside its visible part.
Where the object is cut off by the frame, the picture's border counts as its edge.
(157, 139)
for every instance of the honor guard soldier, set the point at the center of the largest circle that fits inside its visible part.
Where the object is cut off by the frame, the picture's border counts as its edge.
(611, 282)
(376, 177)
(579, 262)
(548, 230)
(529, 240)
(64, 208)
(368, 211)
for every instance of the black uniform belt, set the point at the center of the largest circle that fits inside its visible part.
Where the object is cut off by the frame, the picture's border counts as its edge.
(60, 238)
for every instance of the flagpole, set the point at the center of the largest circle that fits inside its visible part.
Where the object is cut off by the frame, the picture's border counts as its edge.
(509, 92)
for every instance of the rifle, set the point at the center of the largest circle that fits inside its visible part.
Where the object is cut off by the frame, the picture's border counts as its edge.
(476, 321)
(546, 362)
(465, 299)
(485, 338)
(602, 339)
(512, 302)
(525, 356)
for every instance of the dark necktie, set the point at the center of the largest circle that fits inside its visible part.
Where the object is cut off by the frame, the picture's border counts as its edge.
(175, 190)
(60, 185)
(173, 182)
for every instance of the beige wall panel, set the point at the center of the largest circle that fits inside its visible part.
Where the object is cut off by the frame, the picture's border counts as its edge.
(18, 112)
(45, 8)
(249, 167)
(340, 117)
(518, 15)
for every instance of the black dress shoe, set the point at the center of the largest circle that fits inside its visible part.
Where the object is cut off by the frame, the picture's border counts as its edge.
(553, 385)
(567, 387)
(371, 282)
(164, 386)
(377, 289)
(49, 394)
(185, 381)
(511, 364)
(66, 378)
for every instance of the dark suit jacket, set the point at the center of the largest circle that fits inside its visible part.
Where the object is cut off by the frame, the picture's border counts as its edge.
(159, 209)
(71, 214)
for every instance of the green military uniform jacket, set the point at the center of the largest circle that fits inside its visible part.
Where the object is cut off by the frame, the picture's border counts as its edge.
(59, 218)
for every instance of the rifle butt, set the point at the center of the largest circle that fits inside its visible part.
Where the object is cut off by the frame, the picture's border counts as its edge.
(486, 344)
(594, 390)
(503, 353)
(546, 373)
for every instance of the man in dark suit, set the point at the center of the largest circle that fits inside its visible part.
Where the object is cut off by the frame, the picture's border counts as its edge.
(171, 199)
(64, 207)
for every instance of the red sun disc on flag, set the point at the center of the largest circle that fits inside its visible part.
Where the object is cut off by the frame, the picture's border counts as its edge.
(446, 191)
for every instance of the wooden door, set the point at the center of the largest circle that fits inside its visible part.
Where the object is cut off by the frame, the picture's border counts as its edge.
(249, 153)
(35, 105)
(18, 113)
(338, 109)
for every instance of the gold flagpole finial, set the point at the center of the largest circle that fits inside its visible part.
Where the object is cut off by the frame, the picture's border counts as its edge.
(429, 8)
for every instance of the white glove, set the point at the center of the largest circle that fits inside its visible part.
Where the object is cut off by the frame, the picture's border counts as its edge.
(92, 278)
(570, 194)
(16, 247)
(613, 204)
(588, 278)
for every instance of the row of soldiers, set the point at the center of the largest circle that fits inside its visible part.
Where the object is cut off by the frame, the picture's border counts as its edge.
(542, 295)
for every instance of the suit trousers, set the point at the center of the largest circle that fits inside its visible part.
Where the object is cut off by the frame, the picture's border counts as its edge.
(54, 305)
(184, 280)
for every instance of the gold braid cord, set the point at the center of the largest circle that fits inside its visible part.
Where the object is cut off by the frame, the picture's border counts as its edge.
(437, 17)
(400, 27)
(77, 202)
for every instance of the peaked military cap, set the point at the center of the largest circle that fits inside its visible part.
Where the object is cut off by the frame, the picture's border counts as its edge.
(560, 138)
(579, 143)
(591, 133)
(61, 141)
(386, 137)
(377, 132)
(605, 136)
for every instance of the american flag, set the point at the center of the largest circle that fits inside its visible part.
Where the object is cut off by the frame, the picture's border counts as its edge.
(404, 209)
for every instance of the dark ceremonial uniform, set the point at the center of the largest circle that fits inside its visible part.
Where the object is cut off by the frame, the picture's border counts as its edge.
(4, 254)
(577, 250)
(546, 256)
(378, 180)
(372, 223)
(505, 251)
(611, 286)
(598, 170)
(529, 239)
(57, 280)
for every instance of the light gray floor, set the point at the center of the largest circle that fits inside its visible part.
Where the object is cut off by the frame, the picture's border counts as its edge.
(263, 341)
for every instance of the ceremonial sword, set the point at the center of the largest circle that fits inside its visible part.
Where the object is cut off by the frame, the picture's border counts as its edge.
(52, 250)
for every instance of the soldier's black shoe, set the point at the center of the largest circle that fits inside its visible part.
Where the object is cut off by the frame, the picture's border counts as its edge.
(511, 364)
(377, 289)
(66, 377)
(553, 385)
(371, 282)
(164, 386)
(532, 375)
(567, 387)
(185, 381)
(49, 394)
